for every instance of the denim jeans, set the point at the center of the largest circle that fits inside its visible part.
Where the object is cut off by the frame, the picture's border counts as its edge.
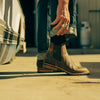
(42, 25)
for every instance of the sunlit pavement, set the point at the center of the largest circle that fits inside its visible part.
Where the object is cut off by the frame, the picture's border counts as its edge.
(20, 80)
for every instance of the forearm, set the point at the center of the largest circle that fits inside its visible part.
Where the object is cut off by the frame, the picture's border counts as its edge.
(63, 3)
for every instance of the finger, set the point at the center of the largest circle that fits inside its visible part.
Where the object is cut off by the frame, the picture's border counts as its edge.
(60, 31)
(67, 21)
(59, 24)
(55, 21)
(65, 30)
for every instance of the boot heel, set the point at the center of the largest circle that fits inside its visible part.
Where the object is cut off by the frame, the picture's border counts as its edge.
(44, 68)
(51, 67)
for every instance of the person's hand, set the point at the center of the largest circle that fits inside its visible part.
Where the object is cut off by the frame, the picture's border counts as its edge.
(62, 18)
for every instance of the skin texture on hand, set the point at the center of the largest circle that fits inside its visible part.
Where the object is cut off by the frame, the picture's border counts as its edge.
(63, 17)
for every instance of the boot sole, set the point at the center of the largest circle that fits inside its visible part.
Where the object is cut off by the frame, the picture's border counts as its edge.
(45, 69)
(50, 67)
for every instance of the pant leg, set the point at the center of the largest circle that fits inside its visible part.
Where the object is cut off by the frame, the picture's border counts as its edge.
(56, 39)
(42, 25)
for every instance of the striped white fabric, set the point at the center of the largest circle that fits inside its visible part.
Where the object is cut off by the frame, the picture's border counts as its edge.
(7, 52)
(12, 29)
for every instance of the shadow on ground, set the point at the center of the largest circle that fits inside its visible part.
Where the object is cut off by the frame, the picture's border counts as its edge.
(87, 82)
(94, 68)
(9, 75)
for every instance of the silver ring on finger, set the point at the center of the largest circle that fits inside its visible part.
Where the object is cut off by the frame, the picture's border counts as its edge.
(64, 26)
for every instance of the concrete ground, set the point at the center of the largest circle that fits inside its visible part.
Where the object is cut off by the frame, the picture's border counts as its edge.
(20, 81)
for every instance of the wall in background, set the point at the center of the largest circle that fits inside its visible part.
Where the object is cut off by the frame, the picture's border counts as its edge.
(89, 10)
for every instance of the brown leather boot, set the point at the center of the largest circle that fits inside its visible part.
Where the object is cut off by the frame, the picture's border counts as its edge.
(57, 58)
(40, 67)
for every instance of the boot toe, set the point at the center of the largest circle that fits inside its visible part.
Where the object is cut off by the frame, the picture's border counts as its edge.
(83, 70)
